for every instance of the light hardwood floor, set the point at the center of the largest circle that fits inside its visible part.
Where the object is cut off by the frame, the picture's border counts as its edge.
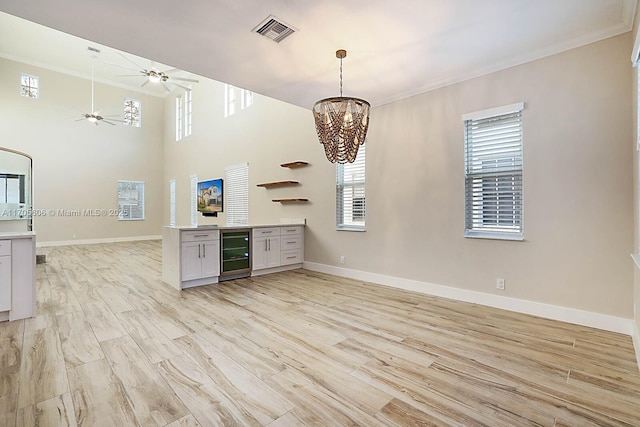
(114, 346)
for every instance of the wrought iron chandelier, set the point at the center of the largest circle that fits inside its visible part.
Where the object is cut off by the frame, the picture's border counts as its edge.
(341, 123)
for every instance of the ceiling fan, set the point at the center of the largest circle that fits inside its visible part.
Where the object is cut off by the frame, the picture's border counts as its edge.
(94, 116)
(154, 75)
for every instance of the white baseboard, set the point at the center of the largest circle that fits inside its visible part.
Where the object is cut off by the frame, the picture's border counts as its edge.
(636, 342)
(548, 311)
(95, 241)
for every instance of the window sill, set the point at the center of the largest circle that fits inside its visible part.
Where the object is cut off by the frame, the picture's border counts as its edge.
(494, 236)
(358, 229)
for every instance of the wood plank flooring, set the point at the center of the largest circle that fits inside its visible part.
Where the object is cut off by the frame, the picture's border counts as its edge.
(114, 346)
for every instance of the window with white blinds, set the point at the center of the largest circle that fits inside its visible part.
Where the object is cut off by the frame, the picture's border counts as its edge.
(493, 173)
(350, 194)
(237, 194)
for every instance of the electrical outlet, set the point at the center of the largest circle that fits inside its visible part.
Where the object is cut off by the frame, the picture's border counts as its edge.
(500, 283)
(342, 259)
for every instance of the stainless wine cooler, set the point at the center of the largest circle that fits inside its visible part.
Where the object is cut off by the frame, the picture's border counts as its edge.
(235, 254)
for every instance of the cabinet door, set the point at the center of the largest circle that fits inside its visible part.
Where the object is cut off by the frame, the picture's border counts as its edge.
(210, 259)
(259, 253)
(5, 283)
(191, 261)
(273, 251)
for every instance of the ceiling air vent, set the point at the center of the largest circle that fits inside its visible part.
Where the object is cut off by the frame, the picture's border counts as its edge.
(274, 29)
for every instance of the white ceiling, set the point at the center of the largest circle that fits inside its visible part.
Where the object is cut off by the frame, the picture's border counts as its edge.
(395, 49)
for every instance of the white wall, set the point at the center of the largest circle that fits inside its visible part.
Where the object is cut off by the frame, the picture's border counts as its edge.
(77, 165)
(577, 180)
(265, 135)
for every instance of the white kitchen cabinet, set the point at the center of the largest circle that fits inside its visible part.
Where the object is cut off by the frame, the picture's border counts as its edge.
(190, 257)
(5, 275)
(266, 248)
(17, 275)
(277, 249)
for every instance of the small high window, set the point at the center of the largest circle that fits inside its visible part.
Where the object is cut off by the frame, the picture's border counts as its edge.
(188, 109)
(229, 100)
(132, 112)
(179, 117)
(247, 98)
(29, 86)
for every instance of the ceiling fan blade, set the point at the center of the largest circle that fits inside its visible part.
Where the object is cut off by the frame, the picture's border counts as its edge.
(105, 121)
(128, 75)
(185, 80)
(166, 87)
(144, 83)
(130, 60)
(182, 86)
(79, 120)
(121, 66)
(171, 70)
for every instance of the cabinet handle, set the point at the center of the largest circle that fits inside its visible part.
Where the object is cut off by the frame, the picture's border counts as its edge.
(265, 245)
(199, 256)
(201, 235)
(268, 232)
(291, 242)
(204, 251)
(292, 256)
(269, 244)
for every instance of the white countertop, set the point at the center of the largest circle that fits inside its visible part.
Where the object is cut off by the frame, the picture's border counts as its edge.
(16, 234)
(230, 227)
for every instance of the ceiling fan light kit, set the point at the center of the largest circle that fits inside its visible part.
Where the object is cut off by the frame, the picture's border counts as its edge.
(94, 116)
(341, 123)
(154, 75)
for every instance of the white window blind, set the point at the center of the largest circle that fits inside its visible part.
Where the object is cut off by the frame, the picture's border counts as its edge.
(493, 173)
(172, 202)
(194, 200)
(237, 198)
(350, 193)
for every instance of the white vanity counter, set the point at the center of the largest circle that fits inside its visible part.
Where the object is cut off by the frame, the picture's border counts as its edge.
(17, 275)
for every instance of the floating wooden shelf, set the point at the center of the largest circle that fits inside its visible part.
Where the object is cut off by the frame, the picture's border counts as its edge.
(290, 200)
(277, 184)
(293, 165)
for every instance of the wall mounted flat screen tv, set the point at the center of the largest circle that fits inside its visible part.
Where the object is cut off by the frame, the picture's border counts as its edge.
(210, 197)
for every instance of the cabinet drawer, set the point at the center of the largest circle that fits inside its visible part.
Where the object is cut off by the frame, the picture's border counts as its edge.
(291, 230)
(290, 242)
(266, 232)
(291, 257)
(5, 247)
(200, 236)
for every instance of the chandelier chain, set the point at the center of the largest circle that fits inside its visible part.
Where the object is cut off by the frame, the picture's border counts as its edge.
(341, 77)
